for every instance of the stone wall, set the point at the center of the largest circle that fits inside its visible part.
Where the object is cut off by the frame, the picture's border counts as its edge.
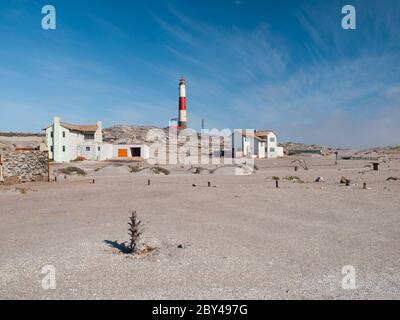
(24, 166)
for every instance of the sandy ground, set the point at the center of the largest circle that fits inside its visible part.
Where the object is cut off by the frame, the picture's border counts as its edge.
(241, 238)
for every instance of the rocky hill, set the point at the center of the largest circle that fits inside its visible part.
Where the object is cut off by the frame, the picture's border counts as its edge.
(11, 140)
(301, 146)
(21, 134)
(395, 150)
(126, 134)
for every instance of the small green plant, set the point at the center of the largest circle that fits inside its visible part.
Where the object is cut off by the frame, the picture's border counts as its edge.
(293, 179)
(276, 178)
(135, 231)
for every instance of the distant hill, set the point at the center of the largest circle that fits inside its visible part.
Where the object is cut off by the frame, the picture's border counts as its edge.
(289, 146)
(21, 134)
(390, 150)
(11, 140)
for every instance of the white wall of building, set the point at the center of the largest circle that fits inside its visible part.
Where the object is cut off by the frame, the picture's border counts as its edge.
(144, 150)
(65, 145)
(261, 149)
(106, 151)
(244, 141)
(90, 150)
(272, 149)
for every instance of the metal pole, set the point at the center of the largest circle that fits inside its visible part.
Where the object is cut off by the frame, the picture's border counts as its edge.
(1, 169)
(48, 170)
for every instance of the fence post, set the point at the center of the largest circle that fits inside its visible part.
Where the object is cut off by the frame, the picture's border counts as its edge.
(48, 169)
(1, 169)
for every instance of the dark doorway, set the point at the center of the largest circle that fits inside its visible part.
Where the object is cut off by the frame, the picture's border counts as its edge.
(136, 152)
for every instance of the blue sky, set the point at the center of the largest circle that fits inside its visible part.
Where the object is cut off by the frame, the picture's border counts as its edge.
(282, 65)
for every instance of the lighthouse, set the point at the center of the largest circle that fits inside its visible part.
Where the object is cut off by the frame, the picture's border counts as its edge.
(182, 122)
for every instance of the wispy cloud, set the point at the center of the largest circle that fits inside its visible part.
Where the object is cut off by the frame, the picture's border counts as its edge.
(108, 27)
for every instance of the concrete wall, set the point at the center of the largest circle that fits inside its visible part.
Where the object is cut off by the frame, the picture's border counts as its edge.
(24, 166)
(279, 151)
(106, 151)
(90, 150)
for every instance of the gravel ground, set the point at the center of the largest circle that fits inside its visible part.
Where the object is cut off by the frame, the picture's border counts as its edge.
(240, 239)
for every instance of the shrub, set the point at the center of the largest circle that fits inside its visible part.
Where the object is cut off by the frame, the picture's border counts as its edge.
(158, 170)
(135, 231)
(302, 163)
(134, 169)
(293, 178)
(72, 170)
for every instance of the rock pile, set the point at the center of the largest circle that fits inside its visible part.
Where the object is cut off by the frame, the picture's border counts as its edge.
(24, 166)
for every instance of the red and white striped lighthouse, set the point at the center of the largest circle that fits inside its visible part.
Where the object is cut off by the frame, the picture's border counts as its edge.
(182, 122)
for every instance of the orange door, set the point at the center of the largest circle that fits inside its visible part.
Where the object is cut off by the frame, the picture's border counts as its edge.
(122, 153)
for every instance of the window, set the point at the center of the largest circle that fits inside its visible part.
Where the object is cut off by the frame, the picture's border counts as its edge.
(87, 148)
(52, 149)
(51, 134)
(98, 148)
(271, 149)
(89, 136)
(63, 148)
(63, 134)
(272, 139)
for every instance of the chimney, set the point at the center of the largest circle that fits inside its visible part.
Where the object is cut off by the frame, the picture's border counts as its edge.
(57, 120)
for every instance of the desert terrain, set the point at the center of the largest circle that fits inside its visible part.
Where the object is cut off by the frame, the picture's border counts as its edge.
(240, 238)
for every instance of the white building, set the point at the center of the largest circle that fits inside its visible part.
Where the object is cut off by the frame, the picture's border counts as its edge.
(67, 142)
(271, 147)
(121, 151)
(255, 144)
